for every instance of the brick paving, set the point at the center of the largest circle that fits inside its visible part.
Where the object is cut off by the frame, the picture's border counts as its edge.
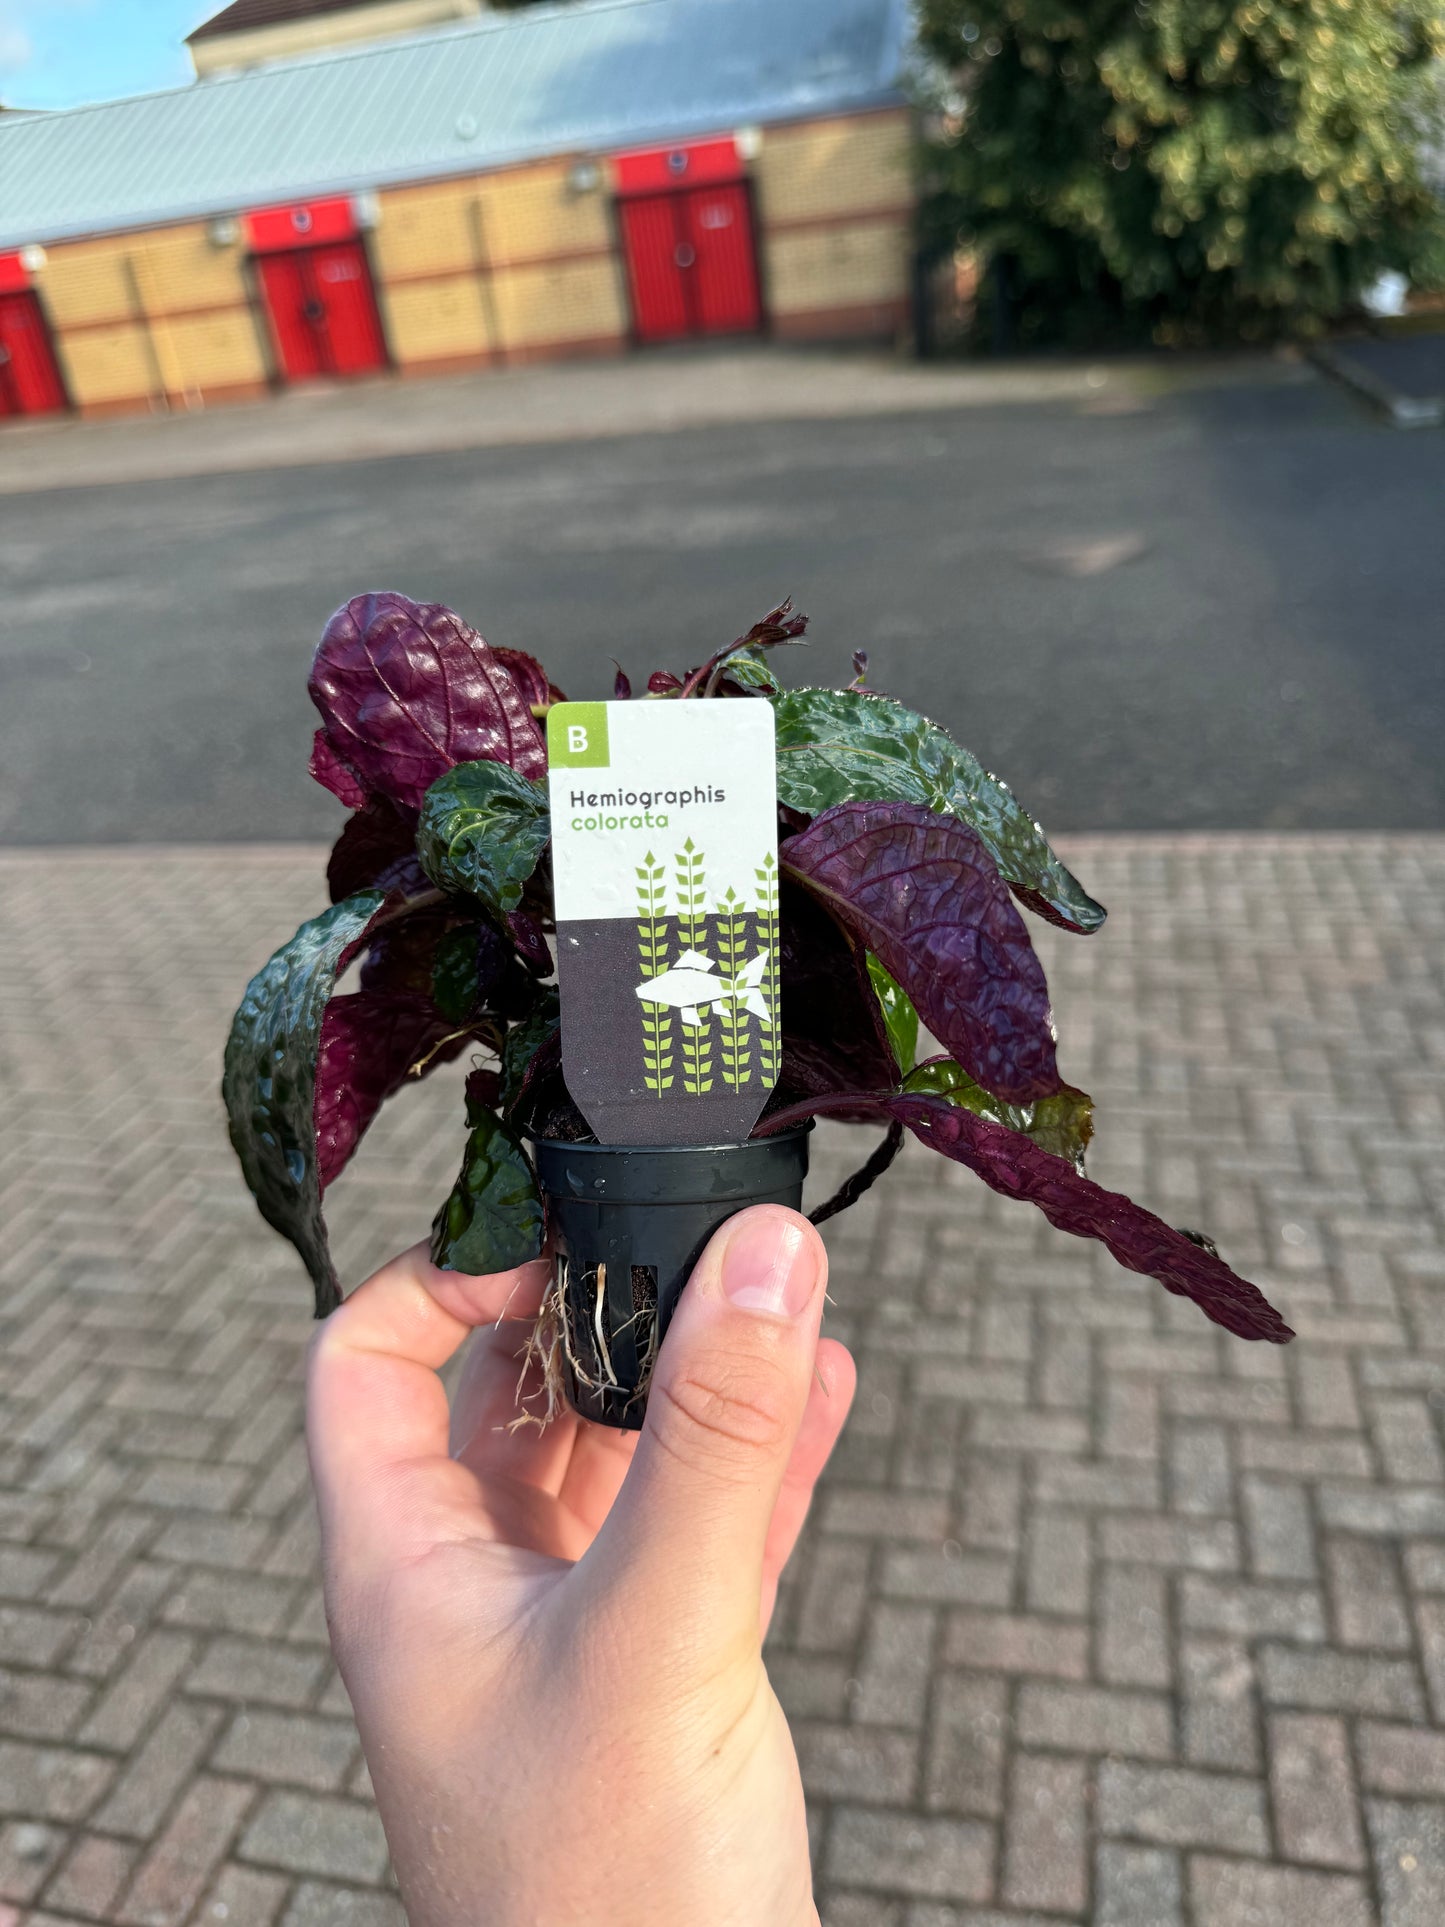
(1102, 1616)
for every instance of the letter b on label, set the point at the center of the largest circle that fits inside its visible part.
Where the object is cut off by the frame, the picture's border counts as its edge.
(577, 736)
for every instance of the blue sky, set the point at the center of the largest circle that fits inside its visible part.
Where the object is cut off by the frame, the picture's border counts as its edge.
(57, 53)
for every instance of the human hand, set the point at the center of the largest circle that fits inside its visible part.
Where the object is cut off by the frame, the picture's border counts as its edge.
(552, 1639)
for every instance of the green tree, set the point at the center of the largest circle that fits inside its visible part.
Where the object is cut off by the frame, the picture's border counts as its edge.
(1183, 170)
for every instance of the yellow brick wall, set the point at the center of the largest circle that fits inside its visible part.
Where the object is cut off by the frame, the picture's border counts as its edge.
(526, 214)
(837, 267)
(435, 320)
(834, 167)
(220, 350)
(574, 301)
(173, 268)
(107, 365)
(119, 307)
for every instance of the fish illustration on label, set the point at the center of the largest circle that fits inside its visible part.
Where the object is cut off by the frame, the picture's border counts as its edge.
(665, 874)
(688, 986)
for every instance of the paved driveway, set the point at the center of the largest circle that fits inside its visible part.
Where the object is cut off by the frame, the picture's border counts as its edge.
(1216, 606)
(1103, 1617)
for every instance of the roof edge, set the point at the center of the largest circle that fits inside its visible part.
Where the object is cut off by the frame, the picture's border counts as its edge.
(873, 100)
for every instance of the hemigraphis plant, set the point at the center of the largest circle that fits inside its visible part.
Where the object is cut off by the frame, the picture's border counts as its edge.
(892, 908)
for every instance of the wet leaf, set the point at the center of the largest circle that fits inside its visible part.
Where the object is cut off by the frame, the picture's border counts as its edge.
(837, 745)
(920, 891)
(269, 1084)
(1016, 1167)
(482, 830)
(406, 690)
(899, 1016)
(493, 1219)
(1063, 1123)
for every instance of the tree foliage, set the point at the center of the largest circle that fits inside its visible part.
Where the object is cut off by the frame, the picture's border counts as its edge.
(1183, 170)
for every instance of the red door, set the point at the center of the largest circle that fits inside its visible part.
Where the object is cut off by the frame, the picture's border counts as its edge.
(690, 262)
(30, 381)
(323, 311)
(723, 279)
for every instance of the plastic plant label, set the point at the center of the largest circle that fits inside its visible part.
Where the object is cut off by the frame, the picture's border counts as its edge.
(665, 875)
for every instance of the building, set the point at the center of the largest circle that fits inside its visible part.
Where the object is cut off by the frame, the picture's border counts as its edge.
(249, 32)
(555, 181)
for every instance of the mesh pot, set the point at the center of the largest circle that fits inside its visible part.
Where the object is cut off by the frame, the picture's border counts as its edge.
(628, 1224)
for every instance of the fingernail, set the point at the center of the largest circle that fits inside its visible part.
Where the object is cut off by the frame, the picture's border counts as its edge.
(769, 1264)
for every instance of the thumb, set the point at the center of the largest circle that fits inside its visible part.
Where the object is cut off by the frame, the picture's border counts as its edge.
(728, 1393)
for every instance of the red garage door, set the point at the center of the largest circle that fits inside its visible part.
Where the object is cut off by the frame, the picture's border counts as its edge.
(30, 381)
(690, 262)
(322, 310)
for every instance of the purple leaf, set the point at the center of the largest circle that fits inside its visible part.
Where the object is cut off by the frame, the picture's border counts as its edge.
(621, 683)
(1016, 1167)
(332, 774)
(834, 1036)
(530, 677)
(371, 1042)
(922, 893)
(527, 934)
(406, 690)
(662, 682)
(376, 850)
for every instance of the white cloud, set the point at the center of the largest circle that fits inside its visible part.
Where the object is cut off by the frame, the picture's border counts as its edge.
(15, 46)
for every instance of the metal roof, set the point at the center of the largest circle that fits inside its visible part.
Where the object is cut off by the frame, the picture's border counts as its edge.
(590, 77)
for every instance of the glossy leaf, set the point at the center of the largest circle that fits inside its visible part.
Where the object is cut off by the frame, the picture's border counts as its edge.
(493, 1220)
(406, 690)
(899, 1016)
(538, 691)
(269, 1083)
(1063, 1123)
(838, 745)
(327, 769)
(482, 830)
(1016, 1167)
(920, 891)
(462, 962)
(530, 938)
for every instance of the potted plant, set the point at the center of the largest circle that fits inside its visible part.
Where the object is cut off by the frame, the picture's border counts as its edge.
(901, 867)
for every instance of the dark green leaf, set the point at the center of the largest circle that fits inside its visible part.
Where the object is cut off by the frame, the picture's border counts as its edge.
(493, 1219)
(455, 983)
(1062, 1122)
(483, 829)
(837, 745)
(524, 1040)
(899, 1016)
(270, 1080)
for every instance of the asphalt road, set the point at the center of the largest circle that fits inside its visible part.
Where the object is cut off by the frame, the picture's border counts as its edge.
(1225, 609)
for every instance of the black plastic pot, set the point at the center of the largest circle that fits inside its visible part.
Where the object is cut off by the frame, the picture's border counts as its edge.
(628, 1223)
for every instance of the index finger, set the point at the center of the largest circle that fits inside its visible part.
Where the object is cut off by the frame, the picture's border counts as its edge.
(376, 1411)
